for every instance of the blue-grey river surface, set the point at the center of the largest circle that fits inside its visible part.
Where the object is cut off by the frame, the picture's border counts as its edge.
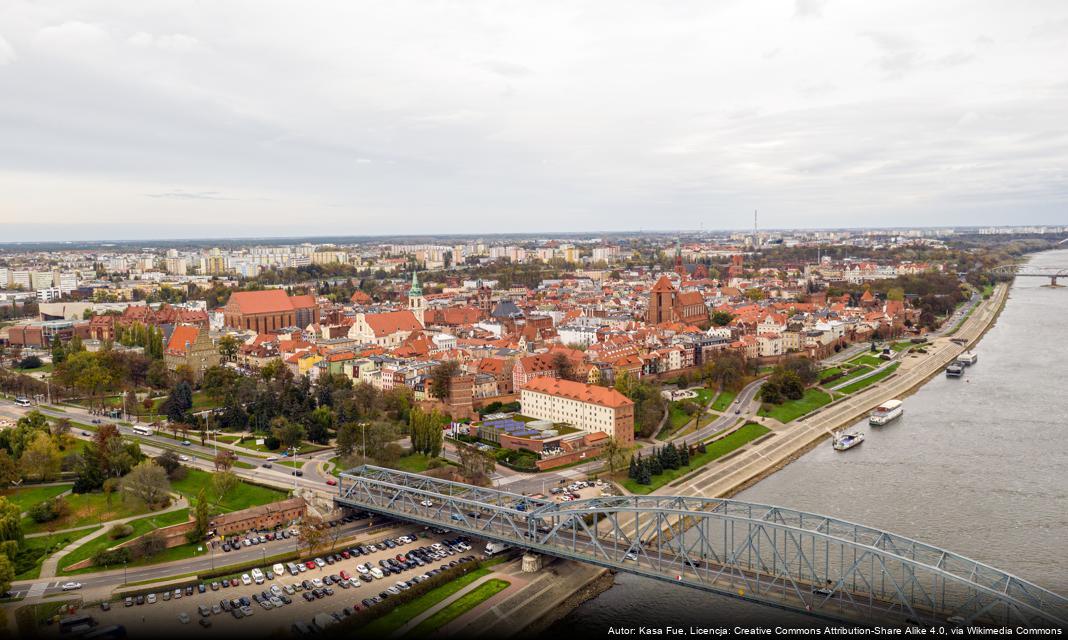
(977, 465)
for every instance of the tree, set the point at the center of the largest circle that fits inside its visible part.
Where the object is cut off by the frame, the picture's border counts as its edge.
(224, 460)
(170, 463)
(224, 482)
(201, 517)
(290, 434)
(426, 432)
(148, 482)
(440, 378)
(721, 318)
(7, 574)
(310, 533)
(564, 369)
(614, 455)
(807, 370)
(30, 362)
(347, 437)
(41, 459)
(9, 469)
(228, 346)
(476, 467)
(10, 529)
(179, 403)
(320, 423)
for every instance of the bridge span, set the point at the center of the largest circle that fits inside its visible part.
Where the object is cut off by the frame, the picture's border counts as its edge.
(779, 557)
(1053, 273)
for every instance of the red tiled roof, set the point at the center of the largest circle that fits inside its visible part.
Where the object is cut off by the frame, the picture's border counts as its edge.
(588, 393)
(267, 301)
(183, 335)
(384, 324)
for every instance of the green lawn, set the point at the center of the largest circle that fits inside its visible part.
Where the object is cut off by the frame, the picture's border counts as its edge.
(723, 400)
(677, 417)
(794, 409)
(460, 606)
(87, 509)
(853, 373)
(26, 497)
(36, 550)
(244, 495)
(415, 463)
(140, 526)
(866, 382)
(305, 447)
(829, 373)
(714, 450)
(900, 346)
(400, 615)
(867, 359)
(704, 396)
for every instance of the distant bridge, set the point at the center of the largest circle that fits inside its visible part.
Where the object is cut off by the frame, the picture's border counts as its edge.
(779, 557)
(1036, 272)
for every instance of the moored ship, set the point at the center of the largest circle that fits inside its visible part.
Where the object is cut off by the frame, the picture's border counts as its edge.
(954, 370)
(843, 441)
(887, 411)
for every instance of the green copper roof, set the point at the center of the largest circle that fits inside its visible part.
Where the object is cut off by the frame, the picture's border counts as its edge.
(416, 290)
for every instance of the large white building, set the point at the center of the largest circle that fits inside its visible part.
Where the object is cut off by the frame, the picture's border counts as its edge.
(586, 407)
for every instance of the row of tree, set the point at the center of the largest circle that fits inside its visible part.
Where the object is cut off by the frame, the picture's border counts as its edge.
(670, 456)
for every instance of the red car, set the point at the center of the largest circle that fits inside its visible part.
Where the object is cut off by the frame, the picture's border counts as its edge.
(344, 575)
(331, 482)
(310, 564)
(346, 555)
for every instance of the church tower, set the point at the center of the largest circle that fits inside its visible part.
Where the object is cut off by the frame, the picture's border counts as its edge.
(416, 301)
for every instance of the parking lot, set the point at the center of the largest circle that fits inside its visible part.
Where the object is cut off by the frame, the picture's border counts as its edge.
(581, 489)
(328, 584)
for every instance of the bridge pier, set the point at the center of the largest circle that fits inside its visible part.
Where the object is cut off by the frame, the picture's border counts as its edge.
(532, 563)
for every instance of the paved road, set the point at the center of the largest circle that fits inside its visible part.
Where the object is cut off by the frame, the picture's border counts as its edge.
(279, 475)
(118, 577)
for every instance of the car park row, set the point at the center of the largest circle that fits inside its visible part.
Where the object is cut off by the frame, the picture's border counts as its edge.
(282, 584)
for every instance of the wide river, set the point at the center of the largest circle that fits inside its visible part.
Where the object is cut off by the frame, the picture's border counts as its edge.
(977, 465)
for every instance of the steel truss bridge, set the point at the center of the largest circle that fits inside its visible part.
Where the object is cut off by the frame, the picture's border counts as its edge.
(788, 559)
(1053, 273)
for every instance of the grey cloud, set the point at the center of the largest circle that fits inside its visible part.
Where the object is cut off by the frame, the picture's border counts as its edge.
(809, 8)
(507, 69)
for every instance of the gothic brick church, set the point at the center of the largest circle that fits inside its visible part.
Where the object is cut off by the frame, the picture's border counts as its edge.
(667, 304)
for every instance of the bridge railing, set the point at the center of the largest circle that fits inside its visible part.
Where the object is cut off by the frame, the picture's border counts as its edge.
(782, 557)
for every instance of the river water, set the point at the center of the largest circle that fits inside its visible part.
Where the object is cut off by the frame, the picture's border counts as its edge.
(977, 465)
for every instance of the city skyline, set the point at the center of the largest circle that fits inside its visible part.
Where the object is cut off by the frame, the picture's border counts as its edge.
(359, 120)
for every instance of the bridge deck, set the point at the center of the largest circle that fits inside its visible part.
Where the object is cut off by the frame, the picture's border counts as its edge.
(779, 557)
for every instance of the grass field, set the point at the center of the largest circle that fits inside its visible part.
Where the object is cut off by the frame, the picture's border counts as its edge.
(460, 606)
(853, 373)
(140, 526)
(26, 497)
(87, 509)
(867, 382)
(829, 373)
(415, 463)
(676, 417)
(723, 400)
(704, 396)
(244, 495)
(399, 616)
(714, 450)
(42, 547)
(794, 409)
(867, 359)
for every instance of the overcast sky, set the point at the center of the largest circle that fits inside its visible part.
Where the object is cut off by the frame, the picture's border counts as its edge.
(242, 118)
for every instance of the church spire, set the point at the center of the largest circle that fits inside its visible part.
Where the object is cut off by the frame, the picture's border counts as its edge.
(416, 290)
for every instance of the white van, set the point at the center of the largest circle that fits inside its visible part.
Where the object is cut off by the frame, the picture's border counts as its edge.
(257, 575)
(493, 548)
